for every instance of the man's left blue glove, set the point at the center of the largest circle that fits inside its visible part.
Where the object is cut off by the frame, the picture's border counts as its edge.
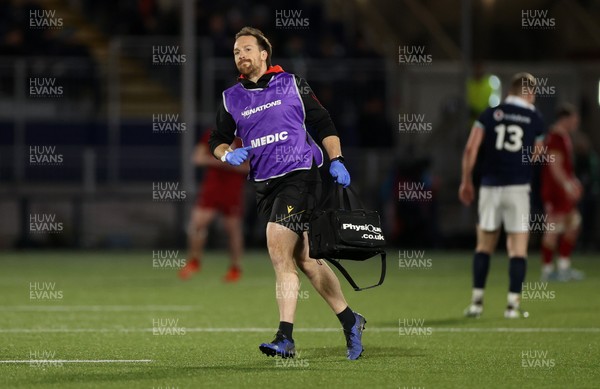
(339, 172)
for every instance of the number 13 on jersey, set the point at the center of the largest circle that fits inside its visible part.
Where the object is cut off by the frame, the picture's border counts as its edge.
(515, 137)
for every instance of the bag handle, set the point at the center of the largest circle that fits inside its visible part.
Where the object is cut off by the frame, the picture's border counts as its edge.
(344, 198)
(346, 275)
(333, 191)
(350, 197)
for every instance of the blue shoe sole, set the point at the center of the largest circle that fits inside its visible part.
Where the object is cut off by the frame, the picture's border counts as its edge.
(272, 353)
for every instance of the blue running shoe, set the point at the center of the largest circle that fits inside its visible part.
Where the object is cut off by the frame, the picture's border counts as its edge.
(280, 346)
(354, 337)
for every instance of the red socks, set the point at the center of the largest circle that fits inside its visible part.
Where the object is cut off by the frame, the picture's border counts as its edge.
(565, 248)
(546, 255)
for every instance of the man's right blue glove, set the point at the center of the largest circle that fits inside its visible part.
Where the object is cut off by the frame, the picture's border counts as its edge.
(237, 156)
(340, 173)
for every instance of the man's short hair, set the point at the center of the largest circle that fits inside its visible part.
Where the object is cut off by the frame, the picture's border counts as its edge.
(262, 40)
(522, 84)
(565, 110)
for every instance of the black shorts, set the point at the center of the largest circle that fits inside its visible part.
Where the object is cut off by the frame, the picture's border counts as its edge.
(290, 200)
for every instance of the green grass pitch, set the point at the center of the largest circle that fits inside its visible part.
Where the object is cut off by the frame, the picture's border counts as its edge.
(100, 309)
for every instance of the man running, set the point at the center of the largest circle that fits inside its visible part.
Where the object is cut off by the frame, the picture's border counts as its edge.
(270, 110)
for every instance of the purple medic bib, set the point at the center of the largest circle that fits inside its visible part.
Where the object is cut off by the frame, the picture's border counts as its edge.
(271, 120)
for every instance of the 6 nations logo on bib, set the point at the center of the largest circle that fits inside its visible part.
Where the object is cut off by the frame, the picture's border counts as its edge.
(371, 232)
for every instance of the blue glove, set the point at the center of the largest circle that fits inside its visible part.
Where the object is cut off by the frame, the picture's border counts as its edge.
(339, 172)
(237, 156)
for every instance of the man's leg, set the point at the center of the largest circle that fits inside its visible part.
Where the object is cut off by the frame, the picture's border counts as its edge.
(281, 242)
(550, 244)
(566, 245)
(486, 244)
(327, 284)
(197, 231)
(516, 245)
(488, 231)
(233, 226)
(321, 276)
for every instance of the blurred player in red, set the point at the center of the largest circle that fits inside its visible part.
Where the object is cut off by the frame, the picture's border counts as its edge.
(213, 199)
(561, 191)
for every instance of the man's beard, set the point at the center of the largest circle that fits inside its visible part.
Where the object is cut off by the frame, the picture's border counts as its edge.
(247, 71)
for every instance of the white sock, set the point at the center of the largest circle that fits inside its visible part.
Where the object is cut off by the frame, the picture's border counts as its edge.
(564, 263)
(514, 299)
(547, 268)
(477, 295)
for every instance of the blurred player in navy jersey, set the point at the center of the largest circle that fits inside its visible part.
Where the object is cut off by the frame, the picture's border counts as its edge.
(213, 200)
(561, 191)
(507, 135)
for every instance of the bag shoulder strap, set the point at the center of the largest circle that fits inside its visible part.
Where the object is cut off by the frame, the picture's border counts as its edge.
(346, 275)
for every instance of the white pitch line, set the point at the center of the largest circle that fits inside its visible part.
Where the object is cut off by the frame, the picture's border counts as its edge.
(70, 330)
(78, 361)
(510, 329)
(96, 308)
(309, 330)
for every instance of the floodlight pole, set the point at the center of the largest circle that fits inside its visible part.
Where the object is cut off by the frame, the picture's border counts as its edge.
(466, 44)
(188, 99)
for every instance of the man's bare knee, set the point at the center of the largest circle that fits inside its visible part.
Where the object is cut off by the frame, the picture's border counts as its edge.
(280, 244)
(301, 255)
(550, 240)
(308, 266)
(486, 241)
(516, 244)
